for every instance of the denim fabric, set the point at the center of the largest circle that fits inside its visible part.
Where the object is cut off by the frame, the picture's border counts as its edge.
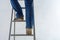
(17, 8)
(29, 11)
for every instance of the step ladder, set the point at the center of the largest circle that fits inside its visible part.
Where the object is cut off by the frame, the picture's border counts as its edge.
(14, 35)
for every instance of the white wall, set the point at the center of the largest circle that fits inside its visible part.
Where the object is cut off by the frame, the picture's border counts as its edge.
(47, 19)
(47, 16)
(5, 10)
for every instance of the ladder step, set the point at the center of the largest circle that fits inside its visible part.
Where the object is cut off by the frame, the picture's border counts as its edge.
(21, 35)
(18, 21)
(21, 0)
(23, 7)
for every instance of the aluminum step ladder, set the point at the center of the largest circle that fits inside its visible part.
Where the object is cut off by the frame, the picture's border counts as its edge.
(14, 35)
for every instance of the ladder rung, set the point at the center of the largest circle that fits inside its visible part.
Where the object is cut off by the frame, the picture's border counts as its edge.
(21, 0)
(18, 21)
(21, 35)
(23, 7)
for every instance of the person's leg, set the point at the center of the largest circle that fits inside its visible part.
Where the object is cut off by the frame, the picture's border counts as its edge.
(28, 4)
(32, 15)
(17, 8)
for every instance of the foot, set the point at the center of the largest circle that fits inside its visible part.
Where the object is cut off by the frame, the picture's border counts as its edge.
(19, 19)
(29, 31)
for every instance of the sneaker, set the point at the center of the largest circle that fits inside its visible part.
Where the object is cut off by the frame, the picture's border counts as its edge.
(19, 19)
(28, 31)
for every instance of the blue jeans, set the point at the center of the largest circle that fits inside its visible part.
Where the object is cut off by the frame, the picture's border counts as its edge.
(29, 11)
(17, 8)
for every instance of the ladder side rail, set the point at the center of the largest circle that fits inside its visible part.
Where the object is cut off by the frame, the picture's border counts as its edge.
(10, 24)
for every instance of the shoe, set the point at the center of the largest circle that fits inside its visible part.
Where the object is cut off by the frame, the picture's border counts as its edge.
(19, 19)
(28, 31)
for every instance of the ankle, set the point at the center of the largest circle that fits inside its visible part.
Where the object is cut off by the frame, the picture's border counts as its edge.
(29, 31)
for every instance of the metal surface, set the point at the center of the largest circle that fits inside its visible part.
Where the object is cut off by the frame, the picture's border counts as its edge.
(14, 27)
(20, 0)
(34, 23)
(23, 7)
(18, 21)
(10, 25)
(34, 36)
(21, 35)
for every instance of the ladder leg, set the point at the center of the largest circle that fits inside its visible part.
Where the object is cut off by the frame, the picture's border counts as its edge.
(34, 33)
(34, 22)
(10, 25)
(14, 26)
(34, 30)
